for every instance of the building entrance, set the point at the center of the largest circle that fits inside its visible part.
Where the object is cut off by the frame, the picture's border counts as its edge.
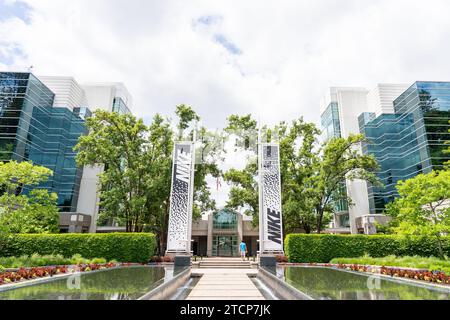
(225, 246)
(226, 229)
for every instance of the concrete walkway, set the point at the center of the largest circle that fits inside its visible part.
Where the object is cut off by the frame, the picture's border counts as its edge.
(225, 284)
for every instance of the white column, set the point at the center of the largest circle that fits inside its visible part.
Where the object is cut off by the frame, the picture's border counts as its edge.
(270, 211)
(181, 199)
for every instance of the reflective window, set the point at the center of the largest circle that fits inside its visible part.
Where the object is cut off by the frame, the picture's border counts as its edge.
(119, 106)
(409, 142)
(32, 130)
(225, 246)
(331, 126)
(225, 220)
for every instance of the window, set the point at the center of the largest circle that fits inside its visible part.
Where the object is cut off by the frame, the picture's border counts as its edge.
(225, 220)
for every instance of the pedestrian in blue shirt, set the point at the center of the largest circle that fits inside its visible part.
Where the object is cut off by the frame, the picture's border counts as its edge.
(243, 250)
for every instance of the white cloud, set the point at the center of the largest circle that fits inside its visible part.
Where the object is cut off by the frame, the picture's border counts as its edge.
(291, 51)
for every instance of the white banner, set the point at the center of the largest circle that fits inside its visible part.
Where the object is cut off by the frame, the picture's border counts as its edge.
(181, 198)
(271, 222)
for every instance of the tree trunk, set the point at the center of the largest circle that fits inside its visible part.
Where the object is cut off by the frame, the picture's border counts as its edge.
(441, 251)
(162, 244)
(307, 228)
(164, 227)
(319, 220)
(158, 245)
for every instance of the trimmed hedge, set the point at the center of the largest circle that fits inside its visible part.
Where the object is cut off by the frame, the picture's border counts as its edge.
(302, 248)
(122, 247)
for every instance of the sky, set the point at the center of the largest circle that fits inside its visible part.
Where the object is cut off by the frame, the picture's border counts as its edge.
(273, 59)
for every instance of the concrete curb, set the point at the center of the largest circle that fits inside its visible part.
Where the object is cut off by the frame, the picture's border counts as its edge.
(281, 289)
(421, 283)
(27, 283)
(169, 288)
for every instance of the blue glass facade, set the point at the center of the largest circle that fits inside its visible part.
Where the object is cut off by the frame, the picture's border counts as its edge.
(120, 107)
(32, 130)
(409, 142)
(331, 126)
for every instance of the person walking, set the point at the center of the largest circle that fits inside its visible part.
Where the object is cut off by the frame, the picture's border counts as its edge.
(243, 250)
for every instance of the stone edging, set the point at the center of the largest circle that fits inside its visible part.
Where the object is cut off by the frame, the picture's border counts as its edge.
(169, 288)
(27, 283)
(282, 289)
(421, 283)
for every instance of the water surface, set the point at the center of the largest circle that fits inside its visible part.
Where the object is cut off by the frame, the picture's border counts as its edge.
(129, 283)
(334, 284)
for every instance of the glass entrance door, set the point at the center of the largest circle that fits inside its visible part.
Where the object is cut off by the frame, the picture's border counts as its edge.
(225, 246)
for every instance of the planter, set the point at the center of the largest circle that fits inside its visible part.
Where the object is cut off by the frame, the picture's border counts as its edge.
(398, 272)
(27, 274)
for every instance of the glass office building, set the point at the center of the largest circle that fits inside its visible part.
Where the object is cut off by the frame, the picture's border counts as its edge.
(409, 142)
(120, 106)
(31, 129)
(331, 126)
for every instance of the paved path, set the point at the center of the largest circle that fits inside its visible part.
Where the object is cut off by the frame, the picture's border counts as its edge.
(225, 284)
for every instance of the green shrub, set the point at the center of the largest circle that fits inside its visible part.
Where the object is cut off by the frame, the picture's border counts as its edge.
(323, 248)
(2, 269)
(122, 247)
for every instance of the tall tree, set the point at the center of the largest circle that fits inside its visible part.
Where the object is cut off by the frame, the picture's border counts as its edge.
(299, 160)
(423, 206)
(209, 152)
(244, 189)
(311, 176)
(35, 211)
(186, 116)
(340, 160)
(158, 186)
(244, 183)
(132, 155)
(135, 185)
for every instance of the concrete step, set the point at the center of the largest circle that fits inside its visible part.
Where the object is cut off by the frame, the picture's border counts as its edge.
(227, 262)
(224, 267)
(227, 266)
(224, 263)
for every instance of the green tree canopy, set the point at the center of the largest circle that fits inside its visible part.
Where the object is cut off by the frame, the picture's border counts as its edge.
(186, 116)
(244, 189)
(135, 158)
(423, 207)
(33, 212)
(311, 175)
(340, 160)
(135, 185)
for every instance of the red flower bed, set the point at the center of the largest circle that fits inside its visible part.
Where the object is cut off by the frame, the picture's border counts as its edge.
(423, 275)
(281, 259)
(40, 272)
(436, 277)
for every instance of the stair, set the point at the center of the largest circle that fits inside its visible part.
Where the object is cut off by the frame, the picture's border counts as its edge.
(224, 263)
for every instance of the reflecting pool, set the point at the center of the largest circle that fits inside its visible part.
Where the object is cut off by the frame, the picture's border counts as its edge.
(128, 283)
(334, 284)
